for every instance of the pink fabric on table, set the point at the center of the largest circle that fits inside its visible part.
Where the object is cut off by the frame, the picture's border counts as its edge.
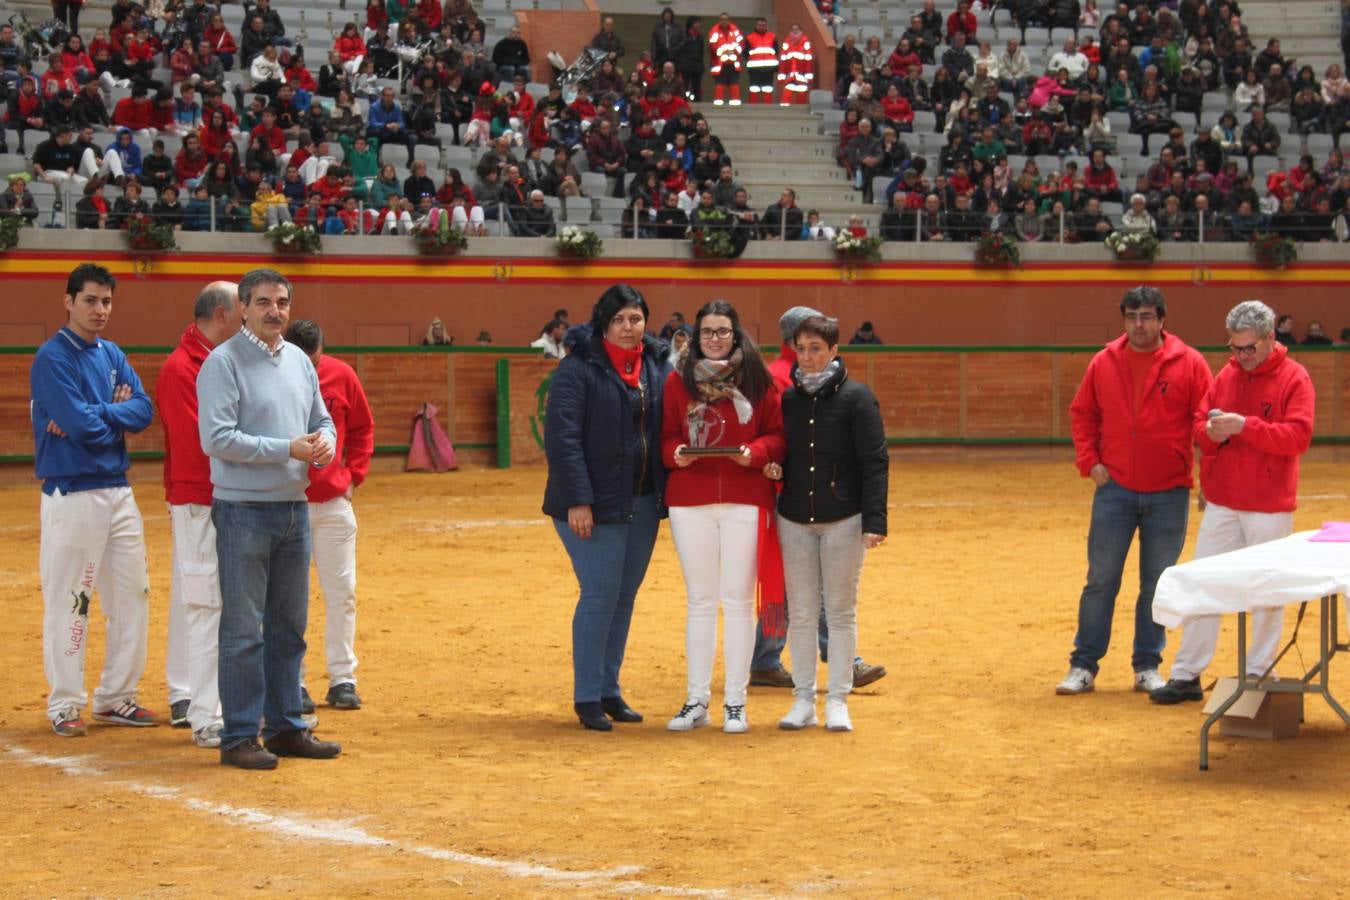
(1338, 532)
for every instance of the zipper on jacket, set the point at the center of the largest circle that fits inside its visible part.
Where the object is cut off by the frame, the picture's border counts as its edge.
(642, 433)
(811, 491)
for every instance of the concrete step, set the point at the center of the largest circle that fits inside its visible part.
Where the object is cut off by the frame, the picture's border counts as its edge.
(758, 171)
(820, 148)
(729, 130)
(812, 195)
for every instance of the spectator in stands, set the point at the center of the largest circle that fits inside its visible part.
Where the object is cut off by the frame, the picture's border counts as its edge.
(92, 210)
(865, 159)
(958, 62)
(55, 161)
(385, 124)
(17, 202)
(1136, 219)
(1313, 336)
(962, 22)
(671, 221)
(865, 335)
(607, 39)
(783, 219)
(536, 219)
(1092, 225)
(1284, 331)
(511, 55)
(666, 39)
(1259, 137)
(418, 185)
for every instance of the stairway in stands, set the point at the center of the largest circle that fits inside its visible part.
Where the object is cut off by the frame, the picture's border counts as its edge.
(772, 147)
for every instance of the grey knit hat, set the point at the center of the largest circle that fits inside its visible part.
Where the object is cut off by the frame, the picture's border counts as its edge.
(788, 321)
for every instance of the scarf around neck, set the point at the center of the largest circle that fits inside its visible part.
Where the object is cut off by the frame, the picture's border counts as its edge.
(628, 363)
(716, 380)
(812, 382)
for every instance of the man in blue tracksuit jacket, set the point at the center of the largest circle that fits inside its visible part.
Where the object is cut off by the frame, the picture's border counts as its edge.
(85, 398)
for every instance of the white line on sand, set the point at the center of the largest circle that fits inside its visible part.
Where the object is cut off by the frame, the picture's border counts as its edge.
(482, 523)
(339, 831)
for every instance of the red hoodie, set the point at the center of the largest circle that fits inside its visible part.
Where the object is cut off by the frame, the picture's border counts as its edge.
(1149, 450)
(187, 470)
(355, 429)
(1256, 470)
(720, 479)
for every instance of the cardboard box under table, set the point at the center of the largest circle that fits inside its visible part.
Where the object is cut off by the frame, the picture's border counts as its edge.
(1295, 569)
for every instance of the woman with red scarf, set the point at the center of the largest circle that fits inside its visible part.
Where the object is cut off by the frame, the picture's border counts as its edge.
(605, 482)
(190, 164)
(721, 397)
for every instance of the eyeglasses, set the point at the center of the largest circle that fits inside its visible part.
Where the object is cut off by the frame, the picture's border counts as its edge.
(1141, 318)
(720, 334)
(1244, 349)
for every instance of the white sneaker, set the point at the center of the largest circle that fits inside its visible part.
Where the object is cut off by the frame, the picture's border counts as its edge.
(692, 715)
(802, 715)
(734, 720)
(1148, 680)
(836, 716)
(208, 738)
(1078, 681)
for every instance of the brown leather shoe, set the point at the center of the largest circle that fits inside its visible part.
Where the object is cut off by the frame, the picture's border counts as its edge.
(248, 755)
(303, 744)
(778, 677)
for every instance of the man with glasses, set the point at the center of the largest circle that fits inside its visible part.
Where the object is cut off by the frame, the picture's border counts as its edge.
(1252, 427)
(1132, 420)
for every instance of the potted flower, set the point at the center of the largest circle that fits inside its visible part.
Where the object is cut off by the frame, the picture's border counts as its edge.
(857, 248)
(579, 243)
(144, 233)
(9, 232)
(437, 237)
(997, 249)
(1273, 249)
(1137, 245)
(289, 237)
(712, 239)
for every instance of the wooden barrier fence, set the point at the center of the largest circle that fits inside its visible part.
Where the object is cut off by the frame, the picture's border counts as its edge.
(492, 399)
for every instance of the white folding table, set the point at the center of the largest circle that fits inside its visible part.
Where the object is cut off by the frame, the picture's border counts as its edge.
(1290, 570)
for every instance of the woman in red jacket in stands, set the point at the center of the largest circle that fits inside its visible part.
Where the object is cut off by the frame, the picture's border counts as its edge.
(721, 507)
(191, 162)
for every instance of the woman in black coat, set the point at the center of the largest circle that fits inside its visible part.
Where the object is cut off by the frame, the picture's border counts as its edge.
(605, 482)
(688, 59)
(831, 509)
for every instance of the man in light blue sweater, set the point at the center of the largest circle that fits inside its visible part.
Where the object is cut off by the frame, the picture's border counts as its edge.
(263, 422)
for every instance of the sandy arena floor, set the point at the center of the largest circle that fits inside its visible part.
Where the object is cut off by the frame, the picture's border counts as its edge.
(466, 773)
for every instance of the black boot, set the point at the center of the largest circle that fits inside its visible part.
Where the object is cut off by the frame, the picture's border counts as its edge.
(619, 710)
(592, 716)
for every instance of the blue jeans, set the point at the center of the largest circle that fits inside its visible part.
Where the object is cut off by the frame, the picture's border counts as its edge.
(1117, 512)
(609, 566)
(263, 552)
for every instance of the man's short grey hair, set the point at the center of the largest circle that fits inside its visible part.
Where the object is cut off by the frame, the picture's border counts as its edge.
(216, 295)
(256, 277)
(1251, 314)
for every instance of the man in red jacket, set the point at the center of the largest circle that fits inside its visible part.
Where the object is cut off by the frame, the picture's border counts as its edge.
(1253, 425)
(332, 524)
(194, 601)
(1132, 436)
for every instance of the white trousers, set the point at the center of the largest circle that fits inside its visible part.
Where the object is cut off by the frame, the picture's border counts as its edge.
(396, 223)
(718, 548)
(57, 178)
(111, 164)
(194, 615)
(1221, 530)
(460, 219)
(332, 532)
(822, 563)
(93, 541)
(314, 168)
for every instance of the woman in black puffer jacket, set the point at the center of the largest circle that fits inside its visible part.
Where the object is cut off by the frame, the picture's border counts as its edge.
(605, 481)
(832, 508)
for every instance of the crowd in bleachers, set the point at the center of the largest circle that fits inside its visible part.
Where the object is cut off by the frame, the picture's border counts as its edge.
(237, 132)
(1149, 117)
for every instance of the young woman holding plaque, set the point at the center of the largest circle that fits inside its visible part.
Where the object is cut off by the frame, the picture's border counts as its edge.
(722, 424)
(832, 508)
